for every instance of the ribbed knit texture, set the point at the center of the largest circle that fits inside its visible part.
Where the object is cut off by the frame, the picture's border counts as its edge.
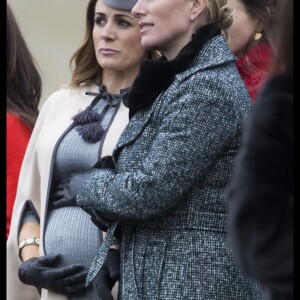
(70, 230)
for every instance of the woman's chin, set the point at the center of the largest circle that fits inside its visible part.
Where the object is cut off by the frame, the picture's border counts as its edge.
(149, 44)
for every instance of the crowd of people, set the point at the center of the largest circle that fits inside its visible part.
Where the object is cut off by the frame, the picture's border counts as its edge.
(165, 169)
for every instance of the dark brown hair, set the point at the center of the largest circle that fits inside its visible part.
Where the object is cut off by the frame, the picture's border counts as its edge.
(266, 11)
(23, 80)
(284, 55)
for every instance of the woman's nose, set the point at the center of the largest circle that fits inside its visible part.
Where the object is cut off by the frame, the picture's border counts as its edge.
(138, 10)
(107, 31)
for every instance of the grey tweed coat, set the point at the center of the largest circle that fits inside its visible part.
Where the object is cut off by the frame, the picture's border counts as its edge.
(173, 163)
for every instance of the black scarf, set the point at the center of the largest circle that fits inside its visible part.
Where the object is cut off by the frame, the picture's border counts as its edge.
(156, 76)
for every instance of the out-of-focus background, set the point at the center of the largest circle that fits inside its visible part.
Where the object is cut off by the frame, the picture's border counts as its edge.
(53, 29)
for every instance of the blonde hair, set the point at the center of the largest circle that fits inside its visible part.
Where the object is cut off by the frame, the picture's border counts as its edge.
(220, 13)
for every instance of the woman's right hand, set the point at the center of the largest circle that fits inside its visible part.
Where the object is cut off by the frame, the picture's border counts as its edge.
(42, 273)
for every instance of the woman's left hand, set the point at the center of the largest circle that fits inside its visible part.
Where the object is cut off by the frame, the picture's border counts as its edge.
(65, 192)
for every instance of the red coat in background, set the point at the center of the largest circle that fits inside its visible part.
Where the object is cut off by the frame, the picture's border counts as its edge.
(17, 137)
(254, 66)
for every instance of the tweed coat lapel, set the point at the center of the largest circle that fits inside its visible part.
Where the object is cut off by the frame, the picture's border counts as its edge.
(155, 77)
(134, 128)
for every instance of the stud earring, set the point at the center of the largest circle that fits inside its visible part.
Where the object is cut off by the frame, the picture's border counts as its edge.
(192, 19)
(257, 36)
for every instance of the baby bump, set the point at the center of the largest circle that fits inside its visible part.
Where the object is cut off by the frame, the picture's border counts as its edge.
(71, 233)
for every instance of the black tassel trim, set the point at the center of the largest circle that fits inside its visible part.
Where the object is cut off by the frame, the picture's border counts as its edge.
(91, 132)
(86, 116)
(90, 124)
(89, 120)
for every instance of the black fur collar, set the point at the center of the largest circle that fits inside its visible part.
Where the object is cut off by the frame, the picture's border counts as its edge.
(156, 76)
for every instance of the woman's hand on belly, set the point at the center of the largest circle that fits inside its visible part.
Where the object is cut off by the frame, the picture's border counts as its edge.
(42, 272)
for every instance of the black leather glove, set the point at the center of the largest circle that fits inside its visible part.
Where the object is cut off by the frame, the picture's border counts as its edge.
(42, 273)
(65, 193)
(105, 162)
(108, 275)
(101, 222)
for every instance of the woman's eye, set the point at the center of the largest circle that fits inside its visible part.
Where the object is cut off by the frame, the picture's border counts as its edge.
(123, 23)
(99, 21)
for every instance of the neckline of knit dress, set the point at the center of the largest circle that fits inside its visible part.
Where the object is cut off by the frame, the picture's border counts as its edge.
(89, 120)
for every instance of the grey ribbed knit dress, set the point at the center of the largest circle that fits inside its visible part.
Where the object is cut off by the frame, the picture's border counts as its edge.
(69, 230)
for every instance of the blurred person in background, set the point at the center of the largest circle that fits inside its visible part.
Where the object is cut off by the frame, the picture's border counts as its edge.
(23, 93)
(250, 37)
(76, 127)
(261, 194)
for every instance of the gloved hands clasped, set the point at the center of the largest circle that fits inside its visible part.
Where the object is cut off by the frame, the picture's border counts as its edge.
(108, 275)
(42, 273)
(64, 194)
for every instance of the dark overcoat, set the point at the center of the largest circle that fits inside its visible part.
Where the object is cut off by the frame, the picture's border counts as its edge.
(261, 193)
(173, 163)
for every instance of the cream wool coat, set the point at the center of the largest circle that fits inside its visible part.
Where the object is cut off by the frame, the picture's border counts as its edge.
(55, 117)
